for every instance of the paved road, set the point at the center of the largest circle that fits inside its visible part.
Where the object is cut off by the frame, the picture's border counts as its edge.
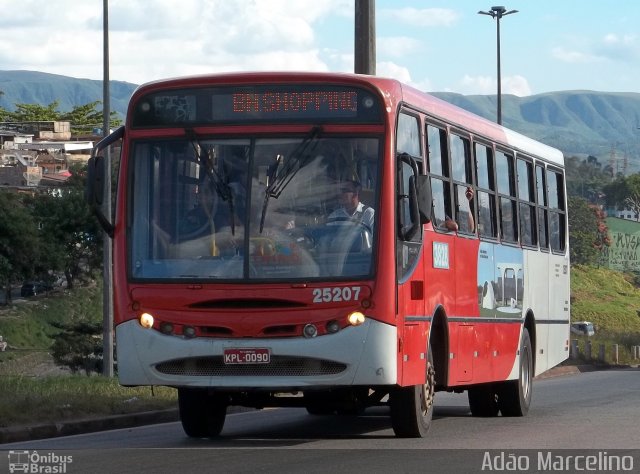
(594, 413)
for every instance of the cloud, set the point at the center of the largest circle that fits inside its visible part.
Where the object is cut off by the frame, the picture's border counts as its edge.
(154, 39)
(426, 17)
(477, 85)
(515, 85)
(619, 47)
(397, 46)
(390, 69)
(572, 56)
(488, 85)
(611, 47)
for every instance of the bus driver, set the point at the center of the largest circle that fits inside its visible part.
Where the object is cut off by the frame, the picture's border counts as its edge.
(350, 206)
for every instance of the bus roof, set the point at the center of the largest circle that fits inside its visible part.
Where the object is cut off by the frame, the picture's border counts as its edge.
(393, 93)
(478, 125)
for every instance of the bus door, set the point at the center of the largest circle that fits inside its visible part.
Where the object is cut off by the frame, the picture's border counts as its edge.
(412, 320)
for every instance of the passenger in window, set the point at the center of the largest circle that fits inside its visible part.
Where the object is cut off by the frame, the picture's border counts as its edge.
(507, 231)
(351, 209)
(469, 225)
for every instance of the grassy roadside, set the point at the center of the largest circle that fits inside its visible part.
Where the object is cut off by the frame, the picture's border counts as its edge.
(28, 400)
(611, 301)
(34, 389)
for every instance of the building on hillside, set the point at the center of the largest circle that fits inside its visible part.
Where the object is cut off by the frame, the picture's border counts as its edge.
(41, 130)
(10, 138)
(38, 153)
(628, 214)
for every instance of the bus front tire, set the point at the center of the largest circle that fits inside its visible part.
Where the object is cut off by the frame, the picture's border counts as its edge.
(202, 414)
(514, 396)
(412, 407)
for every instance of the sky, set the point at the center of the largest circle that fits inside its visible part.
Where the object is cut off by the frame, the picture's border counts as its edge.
(435, 45)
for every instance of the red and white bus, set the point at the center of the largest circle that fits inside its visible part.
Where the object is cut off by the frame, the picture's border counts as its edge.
(285, 239)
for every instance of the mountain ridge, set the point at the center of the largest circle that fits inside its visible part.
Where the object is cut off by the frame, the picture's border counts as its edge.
(578, 122)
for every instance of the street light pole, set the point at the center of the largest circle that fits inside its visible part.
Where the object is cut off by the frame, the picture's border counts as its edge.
(365, 37)
(107, 259)
(496, 13)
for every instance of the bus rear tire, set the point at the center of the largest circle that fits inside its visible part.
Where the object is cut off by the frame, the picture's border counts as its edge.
(202, 414)
(514, 396)
(483, 400)
(412, 407)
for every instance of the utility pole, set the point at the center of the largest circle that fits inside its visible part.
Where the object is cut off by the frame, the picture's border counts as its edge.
(365, 37)
(107, 258)
(496, 13)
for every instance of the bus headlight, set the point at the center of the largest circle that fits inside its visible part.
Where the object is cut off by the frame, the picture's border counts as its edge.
(356, 318)
(146, 320)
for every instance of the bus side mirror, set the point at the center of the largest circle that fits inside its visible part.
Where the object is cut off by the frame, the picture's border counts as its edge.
(97, 191)
(424, 198)
(409, 233)
(94, 191)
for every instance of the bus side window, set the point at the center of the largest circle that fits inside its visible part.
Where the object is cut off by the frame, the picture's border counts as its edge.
(505, 173)
(438, 169)
(557, 215)
(486, 199)
(462, 178)
(541, 191)
(526, 194)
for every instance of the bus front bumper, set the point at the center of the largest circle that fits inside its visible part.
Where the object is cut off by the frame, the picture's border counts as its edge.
(359, 355)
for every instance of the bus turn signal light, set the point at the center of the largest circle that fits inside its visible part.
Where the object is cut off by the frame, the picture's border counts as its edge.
(146, 320)
(356, 318)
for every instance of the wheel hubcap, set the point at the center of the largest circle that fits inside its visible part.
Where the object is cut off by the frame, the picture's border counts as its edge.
(428, 390)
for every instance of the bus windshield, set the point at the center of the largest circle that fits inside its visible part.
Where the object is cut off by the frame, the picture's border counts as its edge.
(253, 208)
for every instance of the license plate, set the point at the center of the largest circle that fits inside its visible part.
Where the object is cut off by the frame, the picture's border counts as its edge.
(256, 355)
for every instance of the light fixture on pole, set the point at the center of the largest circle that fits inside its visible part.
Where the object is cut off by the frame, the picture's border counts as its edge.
(496, 13)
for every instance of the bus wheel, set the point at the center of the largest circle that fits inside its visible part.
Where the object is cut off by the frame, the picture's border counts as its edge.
(514, 396)
(483, 400)
(202, 414)
(412, 407)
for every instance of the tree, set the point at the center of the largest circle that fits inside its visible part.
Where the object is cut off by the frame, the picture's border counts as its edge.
(34, 113)
(585, 178)
(624, 193)
(83, 118)
(616, 192)
(588, 233)
(79, 347)
(71, 235)
(20, 248)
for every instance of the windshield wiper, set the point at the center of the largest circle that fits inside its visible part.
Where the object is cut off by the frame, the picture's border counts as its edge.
(280, 179)
(222, 189)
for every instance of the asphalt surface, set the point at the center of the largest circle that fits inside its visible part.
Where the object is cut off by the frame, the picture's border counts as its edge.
(73, 427)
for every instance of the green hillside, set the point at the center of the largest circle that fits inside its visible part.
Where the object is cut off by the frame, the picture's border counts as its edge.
(31, 87)
(607, 298)
(576, 122)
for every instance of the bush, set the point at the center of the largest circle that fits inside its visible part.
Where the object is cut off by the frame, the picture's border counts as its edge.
(79, 347)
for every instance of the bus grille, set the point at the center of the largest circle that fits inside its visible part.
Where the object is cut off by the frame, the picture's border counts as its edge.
(280, 366)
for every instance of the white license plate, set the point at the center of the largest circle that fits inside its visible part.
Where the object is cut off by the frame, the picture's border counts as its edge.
(254, 355)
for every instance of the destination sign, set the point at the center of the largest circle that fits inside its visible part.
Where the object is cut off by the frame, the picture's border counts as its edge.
(261, 103)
